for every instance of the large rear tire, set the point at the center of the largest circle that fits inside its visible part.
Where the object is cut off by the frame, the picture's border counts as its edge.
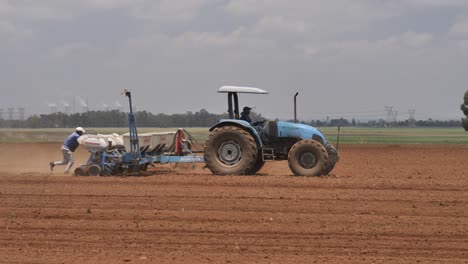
(308, 158)
(258, 165)
(230, 150)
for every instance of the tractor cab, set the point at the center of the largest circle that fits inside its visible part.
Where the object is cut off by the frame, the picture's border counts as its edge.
(233, 101)
(266, 131)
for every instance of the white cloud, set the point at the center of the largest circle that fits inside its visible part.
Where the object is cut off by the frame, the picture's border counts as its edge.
(38, 10)
(463, 47)
(460, 28)
(10, 33)
(205, 39)
(5, 7)
(169, 10)
(331, 16)
(279, 24)
(69, 9)
(7, 27)
(414, 39)
(70, 49)
(108, 4)
(437, 3)
(403, 45)
(404, 41)
(459, 34)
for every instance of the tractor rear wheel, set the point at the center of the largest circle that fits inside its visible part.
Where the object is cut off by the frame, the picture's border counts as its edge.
(230, 150)
(258, 165)
(308, 158)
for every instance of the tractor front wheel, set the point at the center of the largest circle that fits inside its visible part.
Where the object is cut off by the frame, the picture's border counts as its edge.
(308, 158)
(333, 158)
(230, 150)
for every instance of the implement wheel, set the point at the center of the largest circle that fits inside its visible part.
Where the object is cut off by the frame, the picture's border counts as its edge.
(308, 158)
(94, 170)
(230, 150)
(80, 171)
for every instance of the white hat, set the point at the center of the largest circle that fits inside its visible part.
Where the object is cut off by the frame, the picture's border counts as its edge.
(80, 129)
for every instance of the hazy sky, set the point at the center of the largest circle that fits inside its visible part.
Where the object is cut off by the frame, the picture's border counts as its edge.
(346, 58)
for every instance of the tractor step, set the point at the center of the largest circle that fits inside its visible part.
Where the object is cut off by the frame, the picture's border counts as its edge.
(268, 154)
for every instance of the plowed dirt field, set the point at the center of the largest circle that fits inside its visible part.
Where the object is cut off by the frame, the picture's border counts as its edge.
(382, 204)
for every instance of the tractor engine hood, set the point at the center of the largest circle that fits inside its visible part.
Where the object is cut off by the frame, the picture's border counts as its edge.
(294, 130)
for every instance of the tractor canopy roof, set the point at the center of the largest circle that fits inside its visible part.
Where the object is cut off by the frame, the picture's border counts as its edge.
(240, 89)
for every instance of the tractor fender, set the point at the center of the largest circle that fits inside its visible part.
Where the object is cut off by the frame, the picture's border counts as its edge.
(242, 124)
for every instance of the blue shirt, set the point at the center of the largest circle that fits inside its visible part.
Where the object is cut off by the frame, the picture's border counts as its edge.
(71, 142)
(245, 117)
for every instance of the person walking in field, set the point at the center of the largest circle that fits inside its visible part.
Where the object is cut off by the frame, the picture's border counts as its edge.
(68, 147)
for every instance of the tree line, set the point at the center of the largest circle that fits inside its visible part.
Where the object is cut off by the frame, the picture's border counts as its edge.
(201, 118)
(382, 123)
(115, 118)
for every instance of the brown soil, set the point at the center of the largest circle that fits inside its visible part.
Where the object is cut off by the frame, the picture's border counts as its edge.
(383, 204)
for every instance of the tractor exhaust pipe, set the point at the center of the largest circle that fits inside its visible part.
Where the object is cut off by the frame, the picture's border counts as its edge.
(295, 107)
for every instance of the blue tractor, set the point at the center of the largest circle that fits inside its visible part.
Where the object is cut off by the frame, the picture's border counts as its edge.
(237, 147)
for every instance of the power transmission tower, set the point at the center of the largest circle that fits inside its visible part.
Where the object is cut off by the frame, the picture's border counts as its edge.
(389, 116)
(394, 116)
(412, 121)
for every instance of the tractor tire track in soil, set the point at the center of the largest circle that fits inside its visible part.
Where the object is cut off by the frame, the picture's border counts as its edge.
(382, 204)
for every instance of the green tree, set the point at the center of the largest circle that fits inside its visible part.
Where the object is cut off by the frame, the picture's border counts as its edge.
(464, 108)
